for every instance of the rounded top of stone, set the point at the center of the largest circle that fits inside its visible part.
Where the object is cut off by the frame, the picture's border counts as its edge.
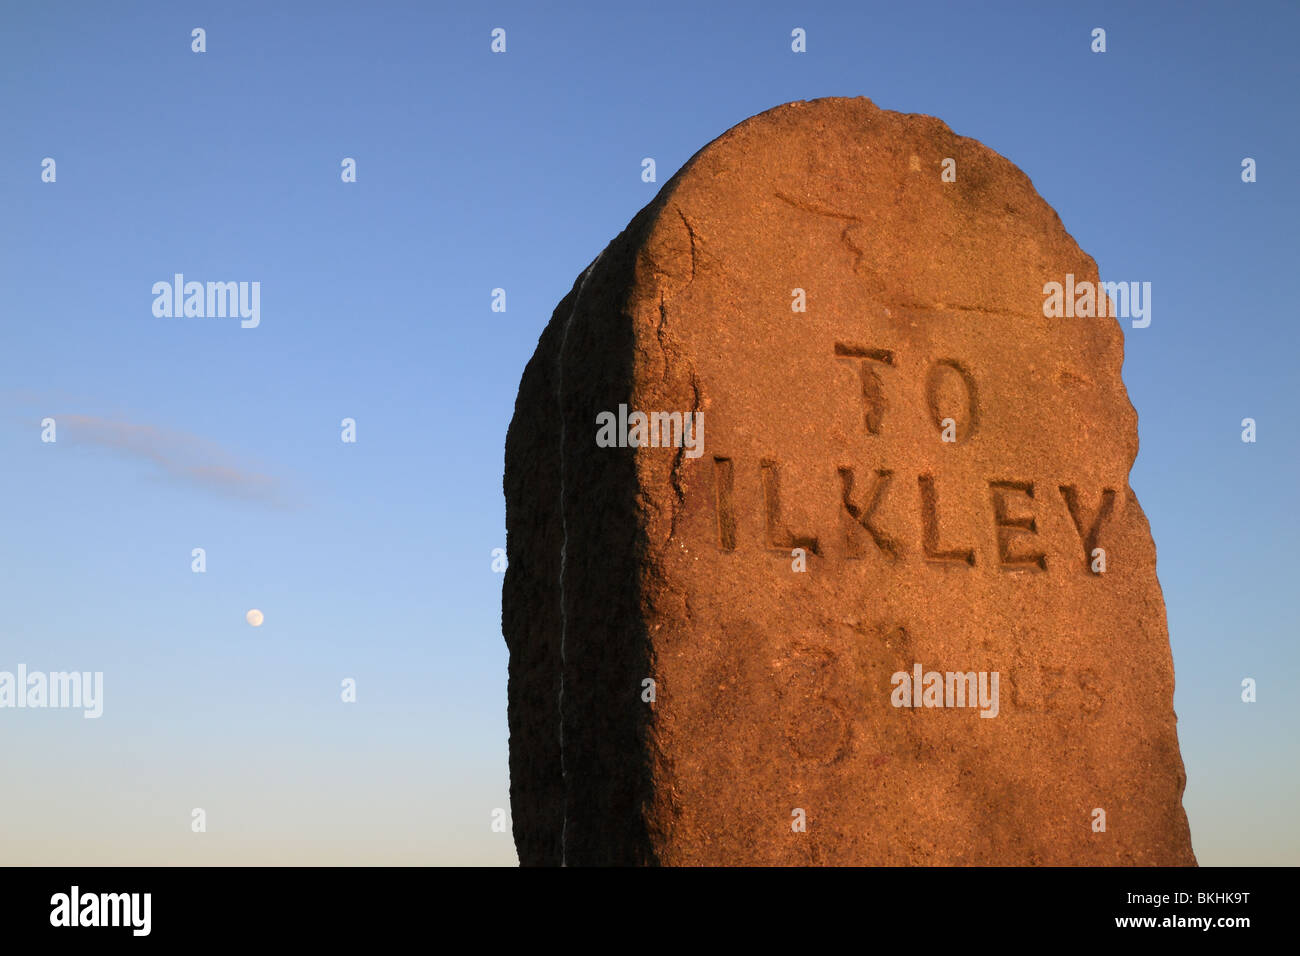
(931, 219)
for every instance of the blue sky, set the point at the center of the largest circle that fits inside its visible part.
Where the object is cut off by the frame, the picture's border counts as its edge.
(475, 171)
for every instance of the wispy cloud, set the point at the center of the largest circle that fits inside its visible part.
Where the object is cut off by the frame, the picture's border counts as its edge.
(180, 455)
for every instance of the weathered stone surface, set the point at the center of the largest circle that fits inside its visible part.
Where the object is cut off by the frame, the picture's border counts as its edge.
(775, 689)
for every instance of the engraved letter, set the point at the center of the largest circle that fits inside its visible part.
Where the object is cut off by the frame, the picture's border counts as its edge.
(1089, 538)
(930, 524)
(933, 397)
(862, 515)
(1006, 524)
(873, 392)
(780, 537)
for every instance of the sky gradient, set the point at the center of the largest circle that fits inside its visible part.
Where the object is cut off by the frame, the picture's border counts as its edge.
(475, 171)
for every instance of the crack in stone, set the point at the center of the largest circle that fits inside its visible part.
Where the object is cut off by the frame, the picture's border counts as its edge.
(859, 253)
(675, 475)
(564, 552)
(852, 220)
(690, 232)
(660, 330)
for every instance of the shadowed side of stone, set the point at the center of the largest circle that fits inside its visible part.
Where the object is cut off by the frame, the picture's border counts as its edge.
(570, 604)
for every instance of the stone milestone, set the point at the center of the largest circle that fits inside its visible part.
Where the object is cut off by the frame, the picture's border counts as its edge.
(896, 604)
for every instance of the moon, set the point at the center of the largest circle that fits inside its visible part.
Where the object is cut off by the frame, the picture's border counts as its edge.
(254, 617)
